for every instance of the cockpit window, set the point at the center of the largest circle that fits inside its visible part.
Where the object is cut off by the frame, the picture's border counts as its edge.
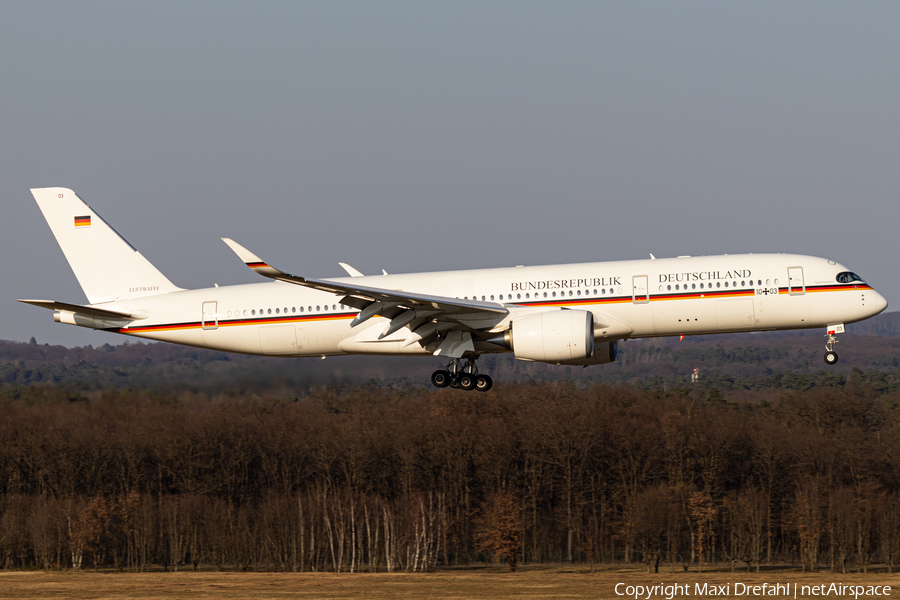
(848, 277)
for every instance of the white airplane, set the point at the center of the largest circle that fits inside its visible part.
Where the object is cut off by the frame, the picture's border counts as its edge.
(571, 314)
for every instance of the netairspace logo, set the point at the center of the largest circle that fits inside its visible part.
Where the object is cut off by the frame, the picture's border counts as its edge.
(670, 591)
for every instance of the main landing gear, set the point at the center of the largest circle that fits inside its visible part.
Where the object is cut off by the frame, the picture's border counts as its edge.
(462, 377)
(831, 356)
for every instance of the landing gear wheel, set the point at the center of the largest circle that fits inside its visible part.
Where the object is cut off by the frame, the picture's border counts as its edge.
(462, 377)
(483, 383)
(831, 356)
(440, 379)
(466, 382)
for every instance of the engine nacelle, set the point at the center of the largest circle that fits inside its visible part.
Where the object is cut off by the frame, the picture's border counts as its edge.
(604, 353)
(553, 336)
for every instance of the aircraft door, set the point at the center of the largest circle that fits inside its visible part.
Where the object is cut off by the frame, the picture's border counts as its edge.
(210, 316)
(641, 289)
(795, 281)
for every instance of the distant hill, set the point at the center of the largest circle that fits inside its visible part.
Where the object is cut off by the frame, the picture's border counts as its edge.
(885, 325)
(732, 361)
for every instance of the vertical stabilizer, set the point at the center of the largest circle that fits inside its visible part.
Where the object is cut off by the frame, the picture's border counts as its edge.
(107, 267)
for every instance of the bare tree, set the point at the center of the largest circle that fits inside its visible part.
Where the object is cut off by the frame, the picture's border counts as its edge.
(652, 512)
(497, 529)
(703, 513)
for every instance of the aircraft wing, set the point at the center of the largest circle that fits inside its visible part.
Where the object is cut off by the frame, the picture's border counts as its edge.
(443, 304)
(425, 315)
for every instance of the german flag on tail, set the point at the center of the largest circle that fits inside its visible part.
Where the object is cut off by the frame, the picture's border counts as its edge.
(84, 221)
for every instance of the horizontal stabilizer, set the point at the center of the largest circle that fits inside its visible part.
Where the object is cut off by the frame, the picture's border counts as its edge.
(85, 310)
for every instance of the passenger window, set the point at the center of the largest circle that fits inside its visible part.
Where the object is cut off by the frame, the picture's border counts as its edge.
(277, 311)
(726, 284)
(492, 296)
(701, 286)
(318, 308)
(693, 286)
(718, 284)
(677, 287)
(253, 311)
(301, 309)
(545, 294)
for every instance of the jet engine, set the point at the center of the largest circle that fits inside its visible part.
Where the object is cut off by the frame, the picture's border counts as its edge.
(604, 352)
(554, 336)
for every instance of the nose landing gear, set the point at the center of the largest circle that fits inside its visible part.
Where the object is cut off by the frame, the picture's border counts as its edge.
(462, 377)
(831, 356)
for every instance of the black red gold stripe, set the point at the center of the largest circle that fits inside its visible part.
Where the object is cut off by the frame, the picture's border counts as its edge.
(84, 221)
(234, 322)
(691, 295)
(838, 288)
(567, 302)
(258, 265)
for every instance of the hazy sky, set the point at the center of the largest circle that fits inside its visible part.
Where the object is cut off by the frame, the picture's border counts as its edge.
(431, 136)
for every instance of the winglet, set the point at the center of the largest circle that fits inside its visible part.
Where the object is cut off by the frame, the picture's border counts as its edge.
(245, 255)
(252, 260)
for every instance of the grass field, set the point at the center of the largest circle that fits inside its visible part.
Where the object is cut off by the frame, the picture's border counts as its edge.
(531, 583)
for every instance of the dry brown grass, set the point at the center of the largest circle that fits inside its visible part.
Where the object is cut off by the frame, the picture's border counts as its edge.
(530, 583)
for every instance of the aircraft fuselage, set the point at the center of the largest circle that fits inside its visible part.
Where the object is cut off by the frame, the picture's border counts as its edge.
(629, 299)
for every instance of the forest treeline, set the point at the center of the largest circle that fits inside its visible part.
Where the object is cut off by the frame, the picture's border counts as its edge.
(364, 478)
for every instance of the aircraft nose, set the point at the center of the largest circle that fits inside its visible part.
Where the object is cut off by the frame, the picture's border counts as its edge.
(875, 303)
